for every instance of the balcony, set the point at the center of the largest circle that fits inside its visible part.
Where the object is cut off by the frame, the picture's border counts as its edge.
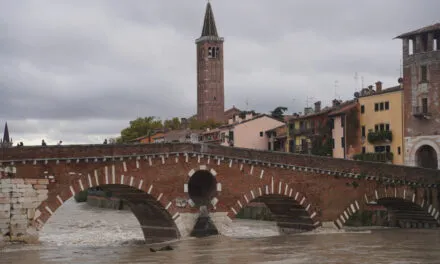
(380, 136)
(421, 112)
(302, 131)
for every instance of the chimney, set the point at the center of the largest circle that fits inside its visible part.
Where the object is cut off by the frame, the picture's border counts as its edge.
(335, 102)
(378, 86)
(317, 106)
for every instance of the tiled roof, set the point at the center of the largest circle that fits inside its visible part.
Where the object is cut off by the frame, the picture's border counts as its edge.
(430, 28)
(384, 91)
(343, 109)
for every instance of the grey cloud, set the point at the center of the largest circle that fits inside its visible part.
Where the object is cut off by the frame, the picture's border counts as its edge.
(88, 67)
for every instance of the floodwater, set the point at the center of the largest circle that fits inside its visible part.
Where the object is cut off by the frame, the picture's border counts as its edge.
(78, 233)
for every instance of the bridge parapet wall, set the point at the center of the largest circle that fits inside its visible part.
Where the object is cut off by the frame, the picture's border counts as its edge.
(395, 172)
(342, 165)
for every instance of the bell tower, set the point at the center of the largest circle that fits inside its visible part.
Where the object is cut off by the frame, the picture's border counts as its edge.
(210, 78)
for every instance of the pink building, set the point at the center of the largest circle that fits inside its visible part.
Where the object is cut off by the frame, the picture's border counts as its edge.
(249, 132)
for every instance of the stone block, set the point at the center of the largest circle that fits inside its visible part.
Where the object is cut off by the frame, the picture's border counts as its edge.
(5, 200)
(4, 214)
(31, 181)
(39, 192)
(39, 186)
(5, 207)
(19, 222)
(43, 181)
(30, 213)
(17, 181)
(4, 181)
(19, 217)
(5, 221)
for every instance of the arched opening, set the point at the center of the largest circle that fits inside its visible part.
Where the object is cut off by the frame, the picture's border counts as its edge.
(405, 214)
(105, 222)
(202, 187)
(426, 157)
(288, 213)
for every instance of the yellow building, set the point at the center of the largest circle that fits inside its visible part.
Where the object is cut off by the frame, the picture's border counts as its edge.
(381, 124)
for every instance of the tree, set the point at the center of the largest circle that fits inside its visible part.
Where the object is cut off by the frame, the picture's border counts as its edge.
(140, 127)
(173, 124)
(278, 113)
(200, 125)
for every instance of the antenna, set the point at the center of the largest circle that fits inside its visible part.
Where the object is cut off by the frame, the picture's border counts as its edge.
(362, 82)
(308, 100)
(336, 87)
(356, 79)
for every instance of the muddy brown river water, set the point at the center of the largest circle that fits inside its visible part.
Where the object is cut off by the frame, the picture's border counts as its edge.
(78, 233)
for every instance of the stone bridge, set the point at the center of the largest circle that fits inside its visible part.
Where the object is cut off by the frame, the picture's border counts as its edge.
(166, 185)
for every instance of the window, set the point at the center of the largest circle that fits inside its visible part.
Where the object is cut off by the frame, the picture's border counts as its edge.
(362, 109)
(381, 106)
(213, 52)
(387, 105)
(425, 105)
(376, 107)
(342, 121)
(382, 127)
(423, 73)
(342, 142)
(398, 150)
(363, 150)
(261, 133)
(268, 146)
(292, 126)
(388, 148)
(363, 131)
(332, 123)
(333, 143)
(376, 128)
(387, 127)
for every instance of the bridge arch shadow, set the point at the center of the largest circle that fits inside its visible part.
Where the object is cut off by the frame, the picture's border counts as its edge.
(290, 210)
(154, 212)
(401, 207)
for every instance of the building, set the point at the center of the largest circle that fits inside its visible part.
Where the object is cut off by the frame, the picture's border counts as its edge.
(278, 138)
(248, 132)
(155, 137)
(210, 73)
(381, 124)
(182, 135)
(345, 130)
(310, 131)
(6, 141)
(421, 89)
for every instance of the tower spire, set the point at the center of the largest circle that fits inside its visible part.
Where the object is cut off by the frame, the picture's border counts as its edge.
(6, 138)
(209, 28)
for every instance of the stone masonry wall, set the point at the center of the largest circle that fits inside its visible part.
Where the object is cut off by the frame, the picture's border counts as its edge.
(19, 199)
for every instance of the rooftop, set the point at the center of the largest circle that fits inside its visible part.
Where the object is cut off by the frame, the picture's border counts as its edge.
(384, 91)
(430, 28)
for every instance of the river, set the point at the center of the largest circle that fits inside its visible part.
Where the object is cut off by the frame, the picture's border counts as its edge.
(78, 233)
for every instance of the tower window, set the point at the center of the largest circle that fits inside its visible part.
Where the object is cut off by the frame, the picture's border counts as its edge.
(423, 73)
(213, 52)
(411, 47)
(387, 105)
(425, 105)
(362, 109)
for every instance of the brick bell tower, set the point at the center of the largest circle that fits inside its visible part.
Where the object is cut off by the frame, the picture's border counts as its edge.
(210, 78)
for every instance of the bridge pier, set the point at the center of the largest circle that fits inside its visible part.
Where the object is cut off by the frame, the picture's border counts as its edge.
(19, 199)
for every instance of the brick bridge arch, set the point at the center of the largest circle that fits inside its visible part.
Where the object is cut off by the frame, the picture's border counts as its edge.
(408, 205)
(291, 209)
(332, 185)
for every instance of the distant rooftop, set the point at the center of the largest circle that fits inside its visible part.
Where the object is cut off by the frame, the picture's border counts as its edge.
(431, 28)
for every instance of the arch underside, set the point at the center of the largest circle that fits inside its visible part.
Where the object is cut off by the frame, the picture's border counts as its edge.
(290, 215)
(406, 214)
(156, 223)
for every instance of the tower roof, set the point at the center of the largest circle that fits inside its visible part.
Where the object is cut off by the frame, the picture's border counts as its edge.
(6, 138)
(209, 28)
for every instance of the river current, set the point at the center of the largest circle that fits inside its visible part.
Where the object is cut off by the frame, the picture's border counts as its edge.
(78, 233)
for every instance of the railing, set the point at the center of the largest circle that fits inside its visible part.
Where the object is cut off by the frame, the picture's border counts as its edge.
(380, 136)
(302, 130)
(420, 111)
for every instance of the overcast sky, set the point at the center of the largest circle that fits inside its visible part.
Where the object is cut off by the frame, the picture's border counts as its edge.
(78, 71)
